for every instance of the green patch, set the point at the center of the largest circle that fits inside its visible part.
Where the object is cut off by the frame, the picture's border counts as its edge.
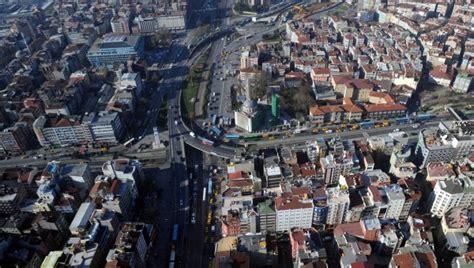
(191, 85)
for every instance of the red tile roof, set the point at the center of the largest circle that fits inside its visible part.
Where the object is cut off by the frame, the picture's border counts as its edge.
(404, 260)
(288, 203)
(384, 107)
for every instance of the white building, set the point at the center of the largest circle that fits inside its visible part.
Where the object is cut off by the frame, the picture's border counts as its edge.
(446, 195)
(338, 205)
(105, 127)
(291, 212)
(128, 171)
(80, 175)
(147, 25)
(132, 80)
(449, 142)
(174, 22)
(58, 130)
(120, 25)
(333, 167)
(395, 201)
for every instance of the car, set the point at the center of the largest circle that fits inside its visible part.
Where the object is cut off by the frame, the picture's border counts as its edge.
(181, 202)
(178, 152)
(176, 122)
(415, 126)
(396, 130)
(192, 134)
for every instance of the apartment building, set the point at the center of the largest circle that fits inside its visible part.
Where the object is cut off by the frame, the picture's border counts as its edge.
(293, 211)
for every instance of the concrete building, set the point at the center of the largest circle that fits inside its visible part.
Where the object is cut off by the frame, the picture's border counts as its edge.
(106, 128)
(333, 167)
(320, 212)
(115, 49)
(10, 198)
(449, 142)
(395, 199)
(147, 24)
(80, 175)
(120, 25)
(80, 223)
(16, 138)
(463, 83)
(273, 175)
(446, 195)
(131, 246)
(128, 171)
(62, 131)
(266, 219)
(132, 80)
(172, 22)
(113, 195)
(338, 205)
(292, 211)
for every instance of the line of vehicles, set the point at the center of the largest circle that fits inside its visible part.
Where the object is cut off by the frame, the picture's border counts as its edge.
(174, 239)
(368, 124)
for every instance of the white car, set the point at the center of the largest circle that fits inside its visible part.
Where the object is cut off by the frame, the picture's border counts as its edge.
(176, 122)
(192, 134)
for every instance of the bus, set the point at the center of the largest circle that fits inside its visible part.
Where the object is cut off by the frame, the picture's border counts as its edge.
(216, 131)
(367, 124)
(402, 120)
(253, 137)
(129, 142)
(232, 136)
(207, 142)
(172, 258)
(174, 238)
(204, 194)
(423, 117)
(214, 120)
(209, 187)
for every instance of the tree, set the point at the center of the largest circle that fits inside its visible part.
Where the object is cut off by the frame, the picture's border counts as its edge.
(261, 85)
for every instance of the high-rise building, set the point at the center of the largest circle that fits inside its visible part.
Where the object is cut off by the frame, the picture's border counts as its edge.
(131, 246)
(120, 25)
(395, 200)
(58, 130)
(293, 211)
(266, 216)
(15, 139)
(128, 171)
(446, 195)
(338, 205)
(147, 24)
(333, 167)
(451, 141)
(105, 127)
(115, 49)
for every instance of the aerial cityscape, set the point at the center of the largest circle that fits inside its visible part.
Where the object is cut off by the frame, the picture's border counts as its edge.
(237, 133)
